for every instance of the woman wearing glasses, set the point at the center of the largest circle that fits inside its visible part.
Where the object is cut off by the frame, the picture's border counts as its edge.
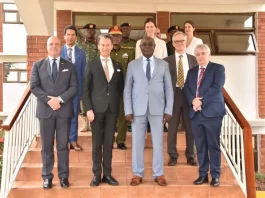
(192, 41)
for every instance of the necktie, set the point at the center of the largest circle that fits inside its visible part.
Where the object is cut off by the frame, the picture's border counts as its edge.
(106, 69)
(180, 80)
(54, 70)
(199, 80)
(148, 70)
(70, 54)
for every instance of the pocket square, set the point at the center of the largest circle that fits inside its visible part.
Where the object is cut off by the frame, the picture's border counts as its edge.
(65, 70)
(118, 70)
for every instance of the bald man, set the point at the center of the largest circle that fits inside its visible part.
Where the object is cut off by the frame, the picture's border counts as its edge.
(54, 82)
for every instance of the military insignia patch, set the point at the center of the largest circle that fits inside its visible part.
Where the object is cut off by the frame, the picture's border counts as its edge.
(125, 55)
(115, 27)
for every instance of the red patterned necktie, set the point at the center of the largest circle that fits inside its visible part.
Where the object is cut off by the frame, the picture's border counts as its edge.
(199, 80)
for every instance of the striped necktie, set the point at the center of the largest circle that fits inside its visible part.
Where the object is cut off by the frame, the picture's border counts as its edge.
(202, 70)
(180, 80)
(70, 54)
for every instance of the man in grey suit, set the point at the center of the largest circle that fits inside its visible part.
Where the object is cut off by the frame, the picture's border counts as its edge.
(54, 82)
(179, 64)
(148, 96)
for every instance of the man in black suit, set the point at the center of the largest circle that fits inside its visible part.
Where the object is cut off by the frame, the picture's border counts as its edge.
(103, 86)
(54, 82)
(179, 64)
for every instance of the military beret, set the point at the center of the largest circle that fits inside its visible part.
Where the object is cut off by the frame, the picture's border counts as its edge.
(125, 25)
(174, 27)
(89, 26)
(115, 30)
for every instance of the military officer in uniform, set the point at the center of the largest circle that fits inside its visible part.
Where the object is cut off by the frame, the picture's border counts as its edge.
(172, 30)
(127, 42)
(123, 56)
(89, 45)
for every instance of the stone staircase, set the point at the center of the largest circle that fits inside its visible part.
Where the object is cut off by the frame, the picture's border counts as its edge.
(28, 183)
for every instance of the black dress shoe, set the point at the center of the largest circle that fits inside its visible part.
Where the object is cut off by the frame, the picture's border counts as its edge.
(110, 180)
(172, 161)
(191, 161)
(64, 182)
(165, 128)
(95, 181)
(121, 146)
(201, 180)
(215, 182)
(47, 183)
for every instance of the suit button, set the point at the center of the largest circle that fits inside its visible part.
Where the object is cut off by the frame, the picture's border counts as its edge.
(107, 94)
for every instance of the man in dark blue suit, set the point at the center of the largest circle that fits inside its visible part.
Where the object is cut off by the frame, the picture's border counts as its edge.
(203, 90)
(77, 56)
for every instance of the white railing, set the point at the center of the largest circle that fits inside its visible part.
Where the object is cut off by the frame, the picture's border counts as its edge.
(232, 145)
(17, 142)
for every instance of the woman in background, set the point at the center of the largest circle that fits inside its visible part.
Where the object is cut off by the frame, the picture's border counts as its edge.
(192, 41)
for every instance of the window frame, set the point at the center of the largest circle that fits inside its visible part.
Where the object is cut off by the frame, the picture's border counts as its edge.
(19, 71)
(10, 11)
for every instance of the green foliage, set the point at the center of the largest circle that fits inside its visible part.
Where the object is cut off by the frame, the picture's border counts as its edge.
(260, 177)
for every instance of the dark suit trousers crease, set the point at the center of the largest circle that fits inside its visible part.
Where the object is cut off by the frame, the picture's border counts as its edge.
(206, 133)
(48, 128)
(103, 129)
(180, 108)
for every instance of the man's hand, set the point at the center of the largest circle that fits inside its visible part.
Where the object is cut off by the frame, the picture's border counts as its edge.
(90, 115)
(166, 118)
(197, 102)
(54, 103)
(129, 118)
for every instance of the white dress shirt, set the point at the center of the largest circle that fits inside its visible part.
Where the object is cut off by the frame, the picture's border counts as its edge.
(57, 62)
(190, 49)
(110, 65)
(152, 64)
(73, 53)
(160, 49)
(185, 64)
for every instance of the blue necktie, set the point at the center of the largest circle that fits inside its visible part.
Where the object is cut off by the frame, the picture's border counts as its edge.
(148, 70)
(54, 70)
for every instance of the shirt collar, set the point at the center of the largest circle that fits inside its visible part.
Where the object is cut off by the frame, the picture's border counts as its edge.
(177, 54)
(102, 58)
(151, 58)
(73, 47)
(51, 58)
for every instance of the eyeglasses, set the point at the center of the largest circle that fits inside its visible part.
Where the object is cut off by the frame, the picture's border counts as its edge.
(179, 41)
(147, 44)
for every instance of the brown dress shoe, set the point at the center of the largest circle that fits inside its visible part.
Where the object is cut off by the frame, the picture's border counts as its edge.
(191, 161)
(136, 180)
(75, 146)
(161, 181)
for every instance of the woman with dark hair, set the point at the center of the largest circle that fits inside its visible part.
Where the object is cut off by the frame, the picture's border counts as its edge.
(192, 41)
(150, 30)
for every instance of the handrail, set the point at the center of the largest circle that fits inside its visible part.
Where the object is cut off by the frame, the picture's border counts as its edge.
(10, 120)
(248, 149)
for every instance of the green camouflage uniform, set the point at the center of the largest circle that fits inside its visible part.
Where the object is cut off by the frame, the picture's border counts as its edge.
(123, 56)
(91, 51)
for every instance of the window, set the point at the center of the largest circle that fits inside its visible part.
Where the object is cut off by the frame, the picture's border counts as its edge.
(105, 20)
(15, 72)
(10, 14)
(225, 33)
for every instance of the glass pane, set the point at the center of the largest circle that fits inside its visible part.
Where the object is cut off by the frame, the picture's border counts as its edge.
(10, 6)
(10, 17)
(217, 20)
(15, 66)
(236, 43)
(205, 39)
(100, 21)
(23, 76)
(135, 21)
(10, 76)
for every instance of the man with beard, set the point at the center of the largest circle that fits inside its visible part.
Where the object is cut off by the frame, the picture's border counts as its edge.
(89, 45)
(123, 56)
(76, 56)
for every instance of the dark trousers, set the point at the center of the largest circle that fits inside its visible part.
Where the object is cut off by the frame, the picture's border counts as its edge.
(103, 129)
(48, 127)
(180, 108)
(206, 132)
(74, 121)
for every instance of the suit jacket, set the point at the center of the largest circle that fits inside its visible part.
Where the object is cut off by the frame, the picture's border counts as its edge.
(80, 64)
(157, 94)
(171, 60)
(210, 90)
(42, 86)
(98, 93)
